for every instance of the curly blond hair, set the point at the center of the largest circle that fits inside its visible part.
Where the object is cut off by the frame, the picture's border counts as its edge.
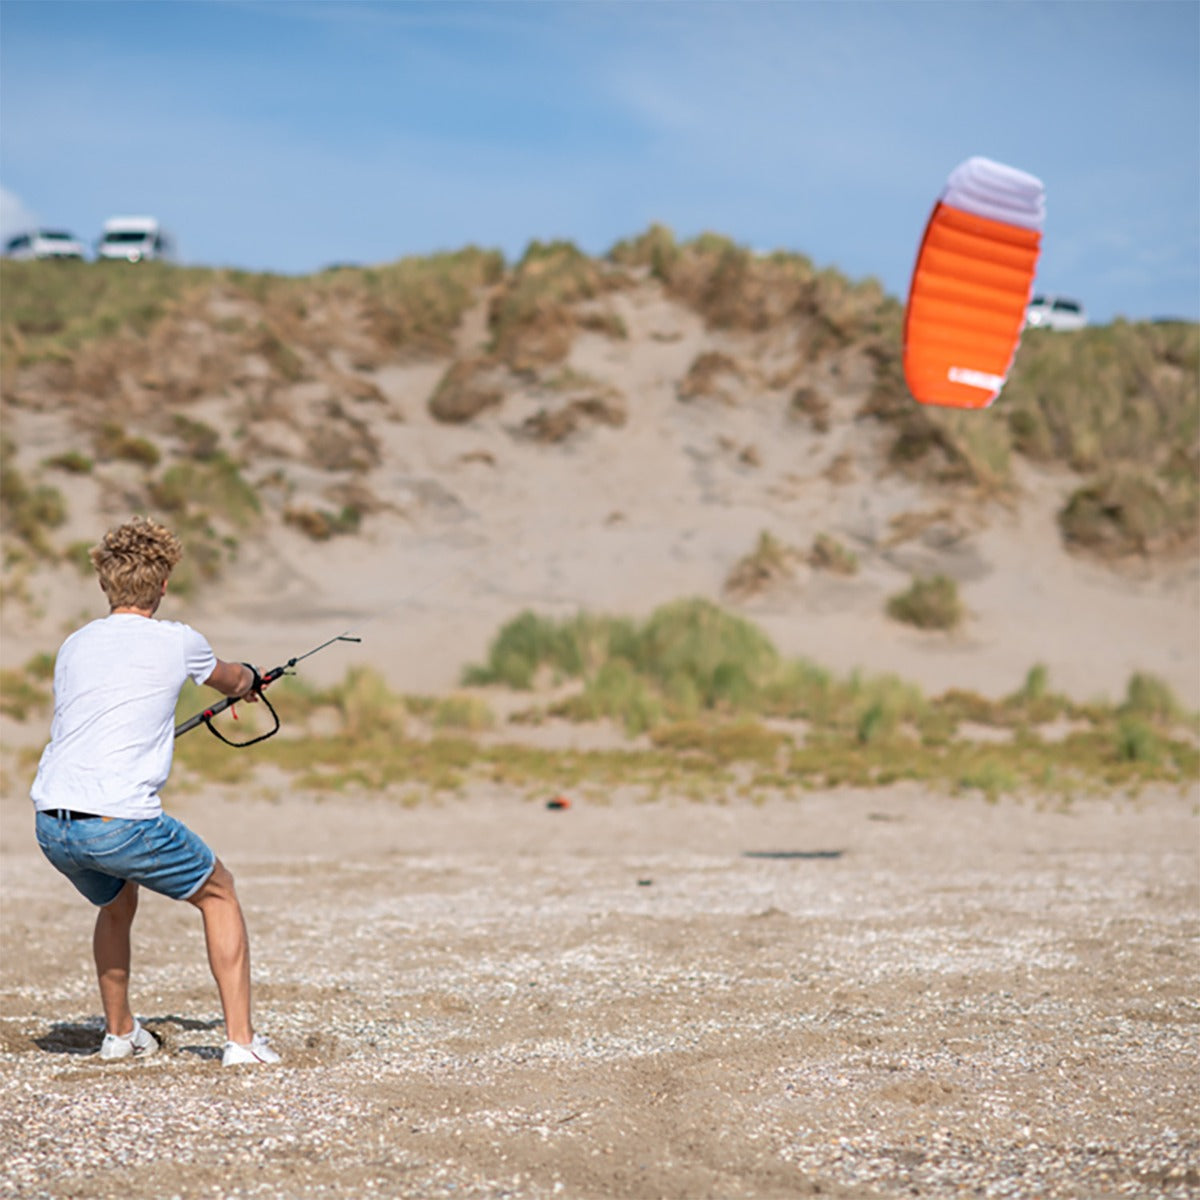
(133, 560)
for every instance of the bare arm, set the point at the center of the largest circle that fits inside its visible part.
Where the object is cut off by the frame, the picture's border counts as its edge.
(232, 679)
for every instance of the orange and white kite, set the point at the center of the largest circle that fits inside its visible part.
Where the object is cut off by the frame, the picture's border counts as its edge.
(971, 284)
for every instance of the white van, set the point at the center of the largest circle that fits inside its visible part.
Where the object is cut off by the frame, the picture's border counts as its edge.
(134, 239)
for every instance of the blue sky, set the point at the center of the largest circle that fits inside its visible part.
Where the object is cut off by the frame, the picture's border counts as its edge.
(288, 135)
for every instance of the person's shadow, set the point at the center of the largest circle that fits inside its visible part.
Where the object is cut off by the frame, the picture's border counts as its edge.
(84, 1037)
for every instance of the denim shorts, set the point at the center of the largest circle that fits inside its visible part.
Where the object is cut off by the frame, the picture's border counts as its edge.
(100, 854)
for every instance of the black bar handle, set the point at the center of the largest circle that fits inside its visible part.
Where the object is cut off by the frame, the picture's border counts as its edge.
(205, 715)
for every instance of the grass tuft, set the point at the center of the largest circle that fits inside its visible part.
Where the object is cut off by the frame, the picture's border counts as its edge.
(29, 511)
(769, 563)
(24, 692)
(1150, 699)
(828, 554)
(928, 603)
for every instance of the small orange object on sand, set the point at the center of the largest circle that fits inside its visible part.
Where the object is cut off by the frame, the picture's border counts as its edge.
(558, 802)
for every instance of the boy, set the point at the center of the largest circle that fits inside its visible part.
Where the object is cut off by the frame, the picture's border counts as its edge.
(99, 818)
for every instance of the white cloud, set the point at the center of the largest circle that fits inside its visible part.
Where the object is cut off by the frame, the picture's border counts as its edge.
(14, 216)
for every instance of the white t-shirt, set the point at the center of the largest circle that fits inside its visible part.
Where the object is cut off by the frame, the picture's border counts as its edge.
(116, 683)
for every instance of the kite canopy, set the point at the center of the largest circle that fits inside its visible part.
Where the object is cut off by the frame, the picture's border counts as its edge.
(971, 284)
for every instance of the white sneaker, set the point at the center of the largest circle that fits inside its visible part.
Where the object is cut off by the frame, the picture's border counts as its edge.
(257, 1052)
(139, 1043)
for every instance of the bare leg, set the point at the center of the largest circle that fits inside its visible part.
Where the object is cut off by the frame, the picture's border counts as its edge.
(228, 950)
(110, 947)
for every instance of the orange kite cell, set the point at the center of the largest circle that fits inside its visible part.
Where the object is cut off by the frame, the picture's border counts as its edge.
(971, 284)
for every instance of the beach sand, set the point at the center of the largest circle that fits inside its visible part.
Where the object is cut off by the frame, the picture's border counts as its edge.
(883, 993)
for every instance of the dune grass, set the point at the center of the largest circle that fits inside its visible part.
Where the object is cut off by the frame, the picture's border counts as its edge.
(25, 690)
(1118, 404)
(50, 314)
(711, 709)
(531, 318)
(928, 603)
(715, 712)
(412, 304)
(1121, 405)
(770, 562)
(29, 510)
(828, 554)
(735, 288)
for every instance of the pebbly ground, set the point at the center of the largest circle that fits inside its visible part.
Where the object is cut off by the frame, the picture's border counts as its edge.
(853, 994)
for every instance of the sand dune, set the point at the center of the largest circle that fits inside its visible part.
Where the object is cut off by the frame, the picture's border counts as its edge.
(468, 524)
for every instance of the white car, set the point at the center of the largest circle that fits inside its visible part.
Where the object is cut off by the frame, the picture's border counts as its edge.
(43, 243)
(1055, 312)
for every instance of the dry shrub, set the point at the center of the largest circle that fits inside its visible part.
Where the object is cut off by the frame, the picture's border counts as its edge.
(808, 402)
(111, 441)
(710, 375)
(543, 338)
(908, 525)
(841, 469)
(319, 524)
(356, 495)
(769, 563)
(213, 490)
(470, 714)
(1125, 512)
(342, 442)
(469, 386)
(556, 426)
(734, 288)
(414, 306)
(609, 323)
(97, 371)
(939, 444)
(836, 313)
(828, 554)
(1125, 392)
(268, 399)
(281, 357)
(1116, 402)
(28, 510)
(655, 250)
(39, 385)
(928, 603)
(73, 462)
(188, 355)
(728, 285)
(389, 327)
(355, 387)
(196, 439)
(1119, 403)
(532, 316)
(54, 312)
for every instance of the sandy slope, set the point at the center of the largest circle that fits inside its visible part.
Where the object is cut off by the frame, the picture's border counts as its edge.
(479, 521)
